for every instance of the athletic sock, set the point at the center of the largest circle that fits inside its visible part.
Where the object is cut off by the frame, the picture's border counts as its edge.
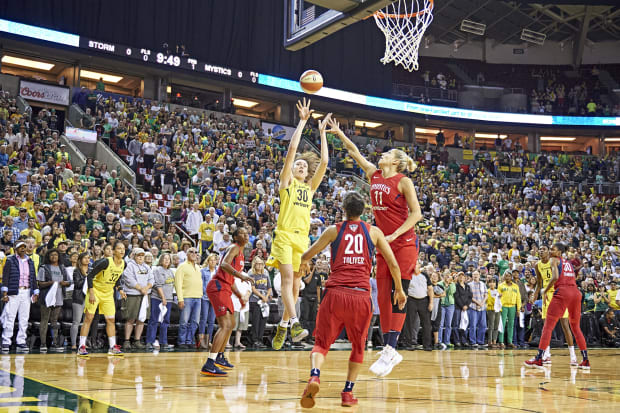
(548, 352)
(284, 324)
(393, 338)
(584, 354)
(315, 373)
(112, 341)
(348, 386)
(540, 354)
(82, 341)
(293, 320)
(571, 350)
(212, 356)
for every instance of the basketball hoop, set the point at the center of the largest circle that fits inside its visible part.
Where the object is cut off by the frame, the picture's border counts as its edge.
(403, 23)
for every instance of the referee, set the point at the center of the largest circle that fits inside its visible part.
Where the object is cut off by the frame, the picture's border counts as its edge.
(419, 303)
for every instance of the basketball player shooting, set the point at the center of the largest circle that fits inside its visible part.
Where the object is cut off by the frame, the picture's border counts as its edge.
(347, 302)
(397, 210)
(565, 296)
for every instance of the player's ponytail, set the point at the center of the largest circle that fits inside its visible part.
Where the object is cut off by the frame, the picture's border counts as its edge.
(405, 163)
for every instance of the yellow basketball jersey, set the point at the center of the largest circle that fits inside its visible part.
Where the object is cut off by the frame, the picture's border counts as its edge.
(104, 281)
(295, 207)
(545, 273)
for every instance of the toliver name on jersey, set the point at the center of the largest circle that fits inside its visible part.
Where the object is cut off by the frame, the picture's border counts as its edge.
(353, 260)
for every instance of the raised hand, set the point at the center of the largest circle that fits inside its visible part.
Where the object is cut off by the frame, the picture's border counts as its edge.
(334, 126)
(323, 123)
(304, 109)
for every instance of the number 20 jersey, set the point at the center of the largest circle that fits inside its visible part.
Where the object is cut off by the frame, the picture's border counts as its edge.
(351, 256)
(389, 206)
(295, 206)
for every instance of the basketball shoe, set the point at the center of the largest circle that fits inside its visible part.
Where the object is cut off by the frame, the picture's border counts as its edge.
(388, 359)
(298, 333)
(585, 365)
(278, 340)
(534, 364)
(221, 362)
(115, 351)
(211, 370)
(347, 399)
(312, 388)
(82, 352)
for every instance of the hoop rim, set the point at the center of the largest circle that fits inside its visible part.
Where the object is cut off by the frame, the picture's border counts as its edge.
(381, 15)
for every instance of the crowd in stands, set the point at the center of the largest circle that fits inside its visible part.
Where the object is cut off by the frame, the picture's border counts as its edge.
(206, 174)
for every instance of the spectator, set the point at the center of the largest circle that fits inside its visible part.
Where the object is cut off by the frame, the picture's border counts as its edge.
(260, 300)
(462, 300)
(241, 307)
(493, 313)
(610, 329)
(137, 280)
(477, 312)
(511, 301)
(162, 295)
(189, 288)
(207, 313)
(447, 309)
(80, 272)
(19, 289)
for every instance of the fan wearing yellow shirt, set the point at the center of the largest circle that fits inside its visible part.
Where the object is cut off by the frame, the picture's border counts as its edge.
(299, 179)
(543, 276)
(206, 230)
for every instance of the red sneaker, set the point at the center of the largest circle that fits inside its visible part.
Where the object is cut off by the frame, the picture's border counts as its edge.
(347, 399)
(585, 365)
(534, 363)
(312, 388)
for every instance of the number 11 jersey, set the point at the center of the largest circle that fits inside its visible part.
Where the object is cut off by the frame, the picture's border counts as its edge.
(389, 206)
(295, 207)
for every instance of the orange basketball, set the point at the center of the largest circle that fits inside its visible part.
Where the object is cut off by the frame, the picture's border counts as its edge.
(311, 81)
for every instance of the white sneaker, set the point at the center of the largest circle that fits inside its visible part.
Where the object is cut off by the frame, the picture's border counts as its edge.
(573, 362)
(379, 366)
(393, 362)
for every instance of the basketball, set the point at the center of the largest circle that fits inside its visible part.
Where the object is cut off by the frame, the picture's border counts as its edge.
(311, 81)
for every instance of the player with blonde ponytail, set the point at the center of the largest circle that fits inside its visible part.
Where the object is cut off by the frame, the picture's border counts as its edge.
(397, 210)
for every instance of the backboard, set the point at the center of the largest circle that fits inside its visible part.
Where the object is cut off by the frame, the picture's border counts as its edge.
(307, 21)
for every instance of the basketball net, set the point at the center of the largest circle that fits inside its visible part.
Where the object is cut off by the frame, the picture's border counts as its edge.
(403, 23)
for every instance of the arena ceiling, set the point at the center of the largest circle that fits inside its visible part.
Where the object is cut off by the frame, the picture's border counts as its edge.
(595, 21)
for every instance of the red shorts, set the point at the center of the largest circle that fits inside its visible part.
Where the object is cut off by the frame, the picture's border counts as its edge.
(348, 308)
(220, 297)
(406, 257)
(565, 299)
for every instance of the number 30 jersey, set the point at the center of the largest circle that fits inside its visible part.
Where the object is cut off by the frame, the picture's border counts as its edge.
(351, 256)
(295, 207)
(390, 207)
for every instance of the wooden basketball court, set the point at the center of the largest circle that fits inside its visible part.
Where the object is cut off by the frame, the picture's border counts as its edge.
(473, 381)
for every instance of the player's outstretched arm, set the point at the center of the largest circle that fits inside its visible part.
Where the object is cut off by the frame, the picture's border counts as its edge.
(405, 186)
(320, 170)
(384, 248)
(319, 245)
(369, 168)
(287, 170)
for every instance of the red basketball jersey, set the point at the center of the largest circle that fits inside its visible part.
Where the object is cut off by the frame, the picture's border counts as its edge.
(567, 275)
(390, 206)
(351, 259)
(237, 264)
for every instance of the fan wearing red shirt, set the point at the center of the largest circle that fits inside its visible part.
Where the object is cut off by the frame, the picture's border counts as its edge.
(347, 301)
(220, 290)
(396, 210)
(565, 296)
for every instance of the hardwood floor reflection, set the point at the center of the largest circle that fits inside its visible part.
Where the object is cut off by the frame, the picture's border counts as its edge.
(447, 381)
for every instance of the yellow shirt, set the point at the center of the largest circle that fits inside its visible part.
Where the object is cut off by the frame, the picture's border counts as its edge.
(612, 299)
(206, 231)
(490, 300)
(105, 280)
(545, 274)
(511, 296)
(188, 281)
(295, 206)
(35, 234)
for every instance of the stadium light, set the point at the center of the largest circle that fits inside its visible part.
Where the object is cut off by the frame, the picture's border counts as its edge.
(557, 139)
(87, 74)
(424, 131)
(317, 115)
(244, 103)
(612, 139)
(32, 64)
(371, 125)
(489, 136)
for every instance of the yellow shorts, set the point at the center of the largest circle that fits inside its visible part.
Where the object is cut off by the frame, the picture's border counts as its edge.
(103, 301)
(545, 306)
(287, 248)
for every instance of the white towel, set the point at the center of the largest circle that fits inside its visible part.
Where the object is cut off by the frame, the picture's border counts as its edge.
(264, 308)
(464, 320)
(521, 319)
(50, 298)
(500, 326)
(162, 312)
(70, 271)
(143, 305)
(85, 287)
(497, 307)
